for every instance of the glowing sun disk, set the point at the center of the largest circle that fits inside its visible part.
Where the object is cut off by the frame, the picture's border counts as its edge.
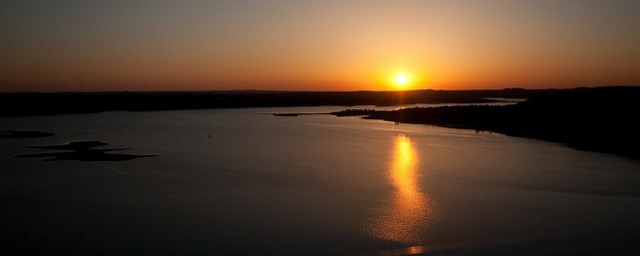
(402, 79)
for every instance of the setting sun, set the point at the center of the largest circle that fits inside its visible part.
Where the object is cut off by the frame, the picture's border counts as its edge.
(401, 80)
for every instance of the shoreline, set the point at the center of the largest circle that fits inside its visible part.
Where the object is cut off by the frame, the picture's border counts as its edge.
(32, 104)
(598, 119)
(594, 119)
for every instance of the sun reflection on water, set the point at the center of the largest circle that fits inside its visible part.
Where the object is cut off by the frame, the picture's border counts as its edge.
(404, 218)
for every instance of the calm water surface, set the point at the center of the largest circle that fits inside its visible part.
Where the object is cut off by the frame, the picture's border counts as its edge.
(309, 185)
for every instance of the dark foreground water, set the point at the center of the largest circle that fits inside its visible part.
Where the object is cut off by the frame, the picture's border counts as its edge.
(242, 182)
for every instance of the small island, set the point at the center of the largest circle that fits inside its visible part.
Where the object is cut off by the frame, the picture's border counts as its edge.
(82, 151)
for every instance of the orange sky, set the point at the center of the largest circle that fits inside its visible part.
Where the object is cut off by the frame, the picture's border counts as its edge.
(316, 45)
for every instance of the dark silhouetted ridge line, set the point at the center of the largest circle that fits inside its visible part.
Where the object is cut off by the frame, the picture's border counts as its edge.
(21, 104)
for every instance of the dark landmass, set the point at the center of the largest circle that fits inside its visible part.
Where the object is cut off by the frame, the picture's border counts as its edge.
(599, 119)
(287, 114)
(82, 151)
(21, 104)
(76, 145)
(299, 114)
(11, 134)
(603, 119)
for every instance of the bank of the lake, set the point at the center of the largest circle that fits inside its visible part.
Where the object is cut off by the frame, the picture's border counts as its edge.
(600, 119)
(30, 104)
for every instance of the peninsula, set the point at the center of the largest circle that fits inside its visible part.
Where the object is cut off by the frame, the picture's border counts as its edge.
(600, 119)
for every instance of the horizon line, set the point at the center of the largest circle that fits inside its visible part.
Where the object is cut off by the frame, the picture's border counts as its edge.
(303, 91)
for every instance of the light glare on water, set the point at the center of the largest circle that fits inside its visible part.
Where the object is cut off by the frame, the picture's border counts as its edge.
(405, 217)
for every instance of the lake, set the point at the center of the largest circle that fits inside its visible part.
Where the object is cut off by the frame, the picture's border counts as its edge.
(245, 182)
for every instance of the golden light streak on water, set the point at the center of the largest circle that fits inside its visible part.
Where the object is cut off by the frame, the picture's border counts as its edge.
(405, 216)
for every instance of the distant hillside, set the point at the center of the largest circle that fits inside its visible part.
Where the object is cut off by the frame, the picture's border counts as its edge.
(17, 104)
(600, 119)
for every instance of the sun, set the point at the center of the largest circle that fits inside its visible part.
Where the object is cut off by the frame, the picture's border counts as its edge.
(401, 81)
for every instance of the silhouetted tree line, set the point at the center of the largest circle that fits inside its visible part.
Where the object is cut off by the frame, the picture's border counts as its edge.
(17, 104)
(600, 119)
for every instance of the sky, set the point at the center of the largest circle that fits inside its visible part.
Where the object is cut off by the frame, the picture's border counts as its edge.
(316, 45)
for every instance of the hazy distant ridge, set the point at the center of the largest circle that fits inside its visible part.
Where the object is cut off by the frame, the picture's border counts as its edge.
(17, 104)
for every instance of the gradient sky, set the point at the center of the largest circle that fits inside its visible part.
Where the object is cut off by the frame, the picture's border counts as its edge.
(152, 45)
